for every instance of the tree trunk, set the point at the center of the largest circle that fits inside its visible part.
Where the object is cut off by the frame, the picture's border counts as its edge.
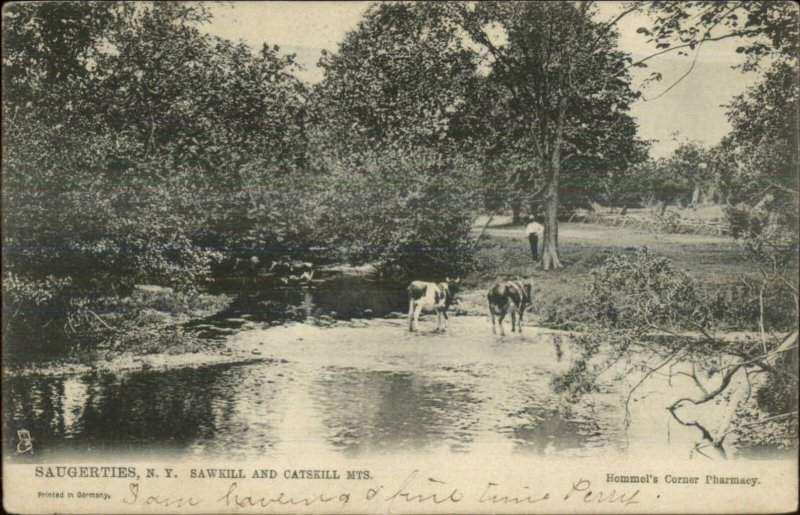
(696, 196)
(550, 258)
(483, 231)
(550, 248)
(710, 195)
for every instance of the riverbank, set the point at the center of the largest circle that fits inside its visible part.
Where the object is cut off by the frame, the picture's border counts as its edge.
(717, 264)
(157, 329)
(256, 343)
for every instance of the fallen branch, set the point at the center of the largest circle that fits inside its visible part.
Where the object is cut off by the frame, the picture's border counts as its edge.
(102, 321)
(765, 363)
(665, 362)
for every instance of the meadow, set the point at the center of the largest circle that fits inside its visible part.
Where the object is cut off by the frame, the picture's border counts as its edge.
(717, 264)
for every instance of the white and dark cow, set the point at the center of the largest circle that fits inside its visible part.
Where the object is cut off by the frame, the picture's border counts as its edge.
(425, 296)
(508, 297)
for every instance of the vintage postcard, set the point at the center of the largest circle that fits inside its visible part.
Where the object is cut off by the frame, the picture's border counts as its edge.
(400, 257)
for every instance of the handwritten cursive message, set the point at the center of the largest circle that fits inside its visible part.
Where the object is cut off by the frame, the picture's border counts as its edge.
(416, 489)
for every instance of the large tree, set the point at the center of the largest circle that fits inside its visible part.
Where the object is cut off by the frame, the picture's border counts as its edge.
(762, 181)
(565, 90)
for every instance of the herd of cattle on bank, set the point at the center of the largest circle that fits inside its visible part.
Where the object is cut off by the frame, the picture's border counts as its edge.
(505, 298)
(285, 270)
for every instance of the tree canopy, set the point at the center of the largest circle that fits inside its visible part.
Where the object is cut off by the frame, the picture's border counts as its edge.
(562, 90)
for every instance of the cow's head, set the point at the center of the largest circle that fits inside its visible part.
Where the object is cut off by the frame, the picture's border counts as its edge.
(453, 286)
(528, 293)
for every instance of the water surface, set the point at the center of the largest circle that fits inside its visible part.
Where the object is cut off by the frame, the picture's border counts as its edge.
(335, 370)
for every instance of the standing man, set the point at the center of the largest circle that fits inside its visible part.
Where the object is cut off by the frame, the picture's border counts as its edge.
(534, 230)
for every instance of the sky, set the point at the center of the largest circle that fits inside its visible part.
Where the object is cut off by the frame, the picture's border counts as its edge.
(691, 111)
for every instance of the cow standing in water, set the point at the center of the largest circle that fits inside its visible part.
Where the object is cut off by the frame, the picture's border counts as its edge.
(511, 296)
(429, 297)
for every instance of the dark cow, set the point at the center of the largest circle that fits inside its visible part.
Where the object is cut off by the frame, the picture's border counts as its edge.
(511, 296)
(429, 297)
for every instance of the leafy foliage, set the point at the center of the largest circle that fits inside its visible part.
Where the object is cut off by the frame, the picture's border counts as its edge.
(393, 135)
(411, 211)
(126, 135)
(400, 79)
(767, 29)
(679, 178)
(644, 292)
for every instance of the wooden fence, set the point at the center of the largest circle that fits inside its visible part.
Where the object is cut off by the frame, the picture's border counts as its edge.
(654, 223)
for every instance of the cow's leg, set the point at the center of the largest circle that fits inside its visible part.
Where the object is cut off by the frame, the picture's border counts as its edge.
(519, 324)
(500, 323)
(491, 314)
(438, 320)
(446, 320)
(513, 320)
(417, 311)
(410, 315)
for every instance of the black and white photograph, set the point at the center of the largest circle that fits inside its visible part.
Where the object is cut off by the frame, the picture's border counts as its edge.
(376, 232)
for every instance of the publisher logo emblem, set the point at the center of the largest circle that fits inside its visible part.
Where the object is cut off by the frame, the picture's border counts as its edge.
(25, 443)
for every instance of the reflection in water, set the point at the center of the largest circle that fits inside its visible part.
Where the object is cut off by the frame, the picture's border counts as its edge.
(363, 391)
(246, 410)
(128, 412)
(340, 298)
(74, 399)
(370, 410)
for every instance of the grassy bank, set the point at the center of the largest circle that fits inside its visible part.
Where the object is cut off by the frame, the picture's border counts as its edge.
(149, 320)
(716, 263)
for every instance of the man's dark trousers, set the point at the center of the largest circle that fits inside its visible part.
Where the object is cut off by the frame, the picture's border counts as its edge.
(534, 240)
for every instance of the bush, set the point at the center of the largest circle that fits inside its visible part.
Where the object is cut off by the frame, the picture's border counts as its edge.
(644, 290)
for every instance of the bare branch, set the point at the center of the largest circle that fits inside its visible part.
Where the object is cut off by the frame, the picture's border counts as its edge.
(690, 44)
(665, 362)
(694, 62)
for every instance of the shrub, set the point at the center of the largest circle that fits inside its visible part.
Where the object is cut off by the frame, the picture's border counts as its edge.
(644, 290)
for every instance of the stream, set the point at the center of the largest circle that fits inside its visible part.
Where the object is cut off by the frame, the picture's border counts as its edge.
(334, 370)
